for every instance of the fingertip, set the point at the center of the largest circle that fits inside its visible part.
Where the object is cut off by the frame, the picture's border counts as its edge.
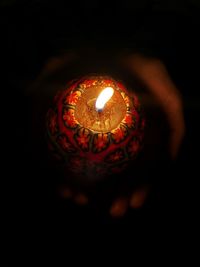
(65, 192)
(119, 207)
(138, 198)
(81, 199)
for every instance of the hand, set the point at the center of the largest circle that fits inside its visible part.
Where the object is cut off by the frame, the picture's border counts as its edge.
(155, 77)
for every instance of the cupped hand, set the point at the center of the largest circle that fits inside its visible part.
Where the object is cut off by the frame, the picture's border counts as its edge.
(153, 74)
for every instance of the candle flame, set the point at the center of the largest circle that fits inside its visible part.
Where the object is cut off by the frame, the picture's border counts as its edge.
(103, 98)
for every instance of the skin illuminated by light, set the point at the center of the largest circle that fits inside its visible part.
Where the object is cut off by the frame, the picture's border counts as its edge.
(103, 98)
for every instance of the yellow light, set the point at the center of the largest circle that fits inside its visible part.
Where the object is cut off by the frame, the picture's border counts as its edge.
(103, 98)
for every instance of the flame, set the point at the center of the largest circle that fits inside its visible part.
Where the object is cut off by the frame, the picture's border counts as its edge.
(103, 98)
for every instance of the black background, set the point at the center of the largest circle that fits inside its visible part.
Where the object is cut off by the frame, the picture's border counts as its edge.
(35, 31)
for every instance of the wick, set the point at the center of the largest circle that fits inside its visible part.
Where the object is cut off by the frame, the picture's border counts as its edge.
(99, 110)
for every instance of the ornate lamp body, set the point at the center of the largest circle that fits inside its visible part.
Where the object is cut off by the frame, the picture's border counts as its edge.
(91, 142)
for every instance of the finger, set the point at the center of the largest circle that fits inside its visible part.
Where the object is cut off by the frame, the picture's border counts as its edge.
(65, 192)
(119, 207)
(56, 63)
(139, 197)
(81, 199)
